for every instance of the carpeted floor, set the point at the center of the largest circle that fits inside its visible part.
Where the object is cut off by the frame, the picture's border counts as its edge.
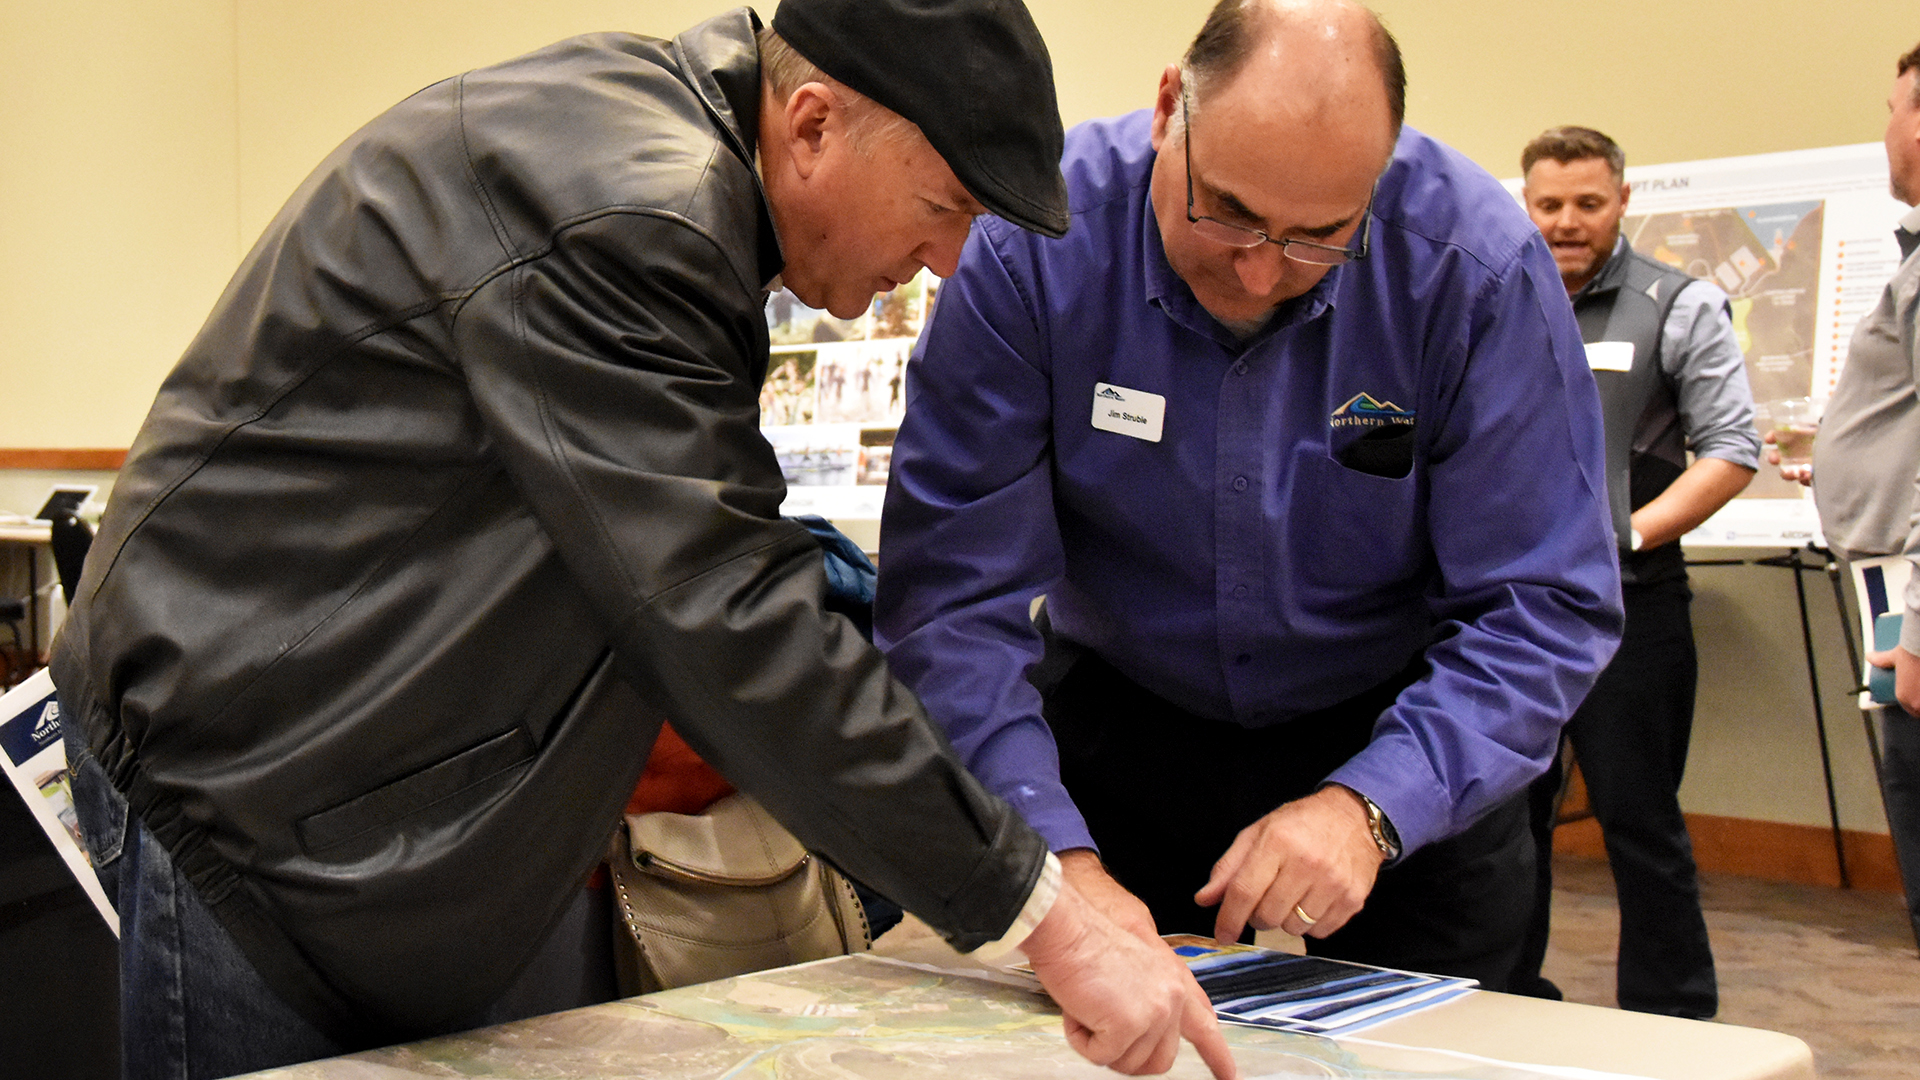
(1836, 968)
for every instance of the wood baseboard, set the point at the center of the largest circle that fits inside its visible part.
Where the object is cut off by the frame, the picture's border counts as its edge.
(1768, 850)
(60, 460)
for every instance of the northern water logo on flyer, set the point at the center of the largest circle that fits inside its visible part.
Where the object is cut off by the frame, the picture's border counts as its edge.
(31, 730)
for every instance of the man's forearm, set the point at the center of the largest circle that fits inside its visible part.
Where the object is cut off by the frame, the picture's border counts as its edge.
(1693, 497)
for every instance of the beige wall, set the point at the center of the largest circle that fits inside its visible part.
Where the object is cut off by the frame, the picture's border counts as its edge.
(1670, 81)
(146, 144)
(118, 156)
(1756, 749)
(143, 145)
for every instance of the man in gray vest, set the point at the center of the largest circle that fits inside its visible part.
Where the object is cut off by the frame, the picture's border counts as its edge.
(1673, 384)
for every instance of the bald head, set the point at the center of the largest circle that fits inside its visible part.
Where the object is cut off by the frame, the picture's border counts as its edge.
(1280, 120)
(1333, 46)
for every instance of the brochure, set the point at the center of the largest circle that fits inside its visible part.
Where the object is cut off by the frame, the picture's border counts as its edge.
(36, 763)
(1879, 585)
(1313, 995)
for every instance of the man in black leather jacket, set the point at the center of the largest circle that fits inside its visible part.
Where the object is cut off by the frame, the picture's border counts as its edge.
(460, 491)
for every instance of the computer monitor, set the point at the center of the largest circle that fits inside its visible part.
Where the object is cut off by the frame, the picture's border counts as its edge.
(65, 500)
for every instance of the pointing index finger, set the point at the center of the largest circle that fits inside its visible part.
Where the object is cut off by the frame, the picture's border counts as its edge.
(1202, 1029)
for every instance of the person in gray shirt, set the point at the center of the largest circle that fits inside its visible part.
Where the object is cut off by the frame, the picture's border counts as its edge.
(1866, 460)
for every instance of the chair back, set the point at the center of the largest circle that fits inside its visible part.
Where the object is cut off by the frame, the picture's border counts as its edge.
(70, 540)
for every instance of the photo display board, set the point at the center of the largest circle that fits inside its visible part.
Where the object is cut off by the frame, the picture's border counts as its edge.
(834, 395)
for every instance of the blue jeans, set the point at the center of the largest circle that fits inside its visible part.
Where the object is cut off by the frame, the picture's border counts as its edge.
(193, 1006)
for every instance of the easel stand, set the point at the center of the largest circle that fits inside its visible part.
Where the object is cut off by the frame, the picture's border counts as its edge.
(1792, 560)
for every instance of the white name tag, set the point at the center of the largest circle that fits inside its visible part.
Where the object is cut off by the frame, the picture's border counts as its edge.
(1128, 412)
(1610, 355)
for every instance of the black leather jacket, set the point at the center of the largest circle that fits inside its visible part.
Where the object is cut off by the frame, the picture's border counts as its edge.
(459, 491)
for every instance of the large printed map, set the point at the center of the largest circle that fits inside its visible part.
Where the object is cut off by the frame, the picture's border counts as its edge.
(1767, 258)
(849, 1018)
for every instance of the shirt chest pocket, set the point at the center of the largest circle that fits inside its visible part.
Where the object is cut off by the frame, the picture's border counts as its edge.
(1353, 537)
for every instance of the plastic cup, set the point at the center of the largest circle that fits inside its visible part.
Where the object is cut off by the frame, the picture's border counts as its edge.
(1795, 422)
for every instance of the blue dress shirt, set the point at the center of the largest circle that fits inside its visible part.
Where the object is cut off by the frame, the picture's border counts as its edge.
(1236, 567)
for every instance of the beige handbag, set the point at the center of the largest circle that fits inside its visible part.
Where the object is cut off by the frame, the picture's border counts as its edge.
(704, 896)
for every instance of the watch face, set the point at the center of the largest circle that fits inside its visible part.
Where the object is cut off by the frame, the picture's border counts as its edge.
(1392, 834)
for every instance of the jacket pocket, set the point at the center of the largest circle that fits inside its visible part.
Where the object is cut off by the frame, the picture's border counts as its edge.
(439, 792)
(100, 810)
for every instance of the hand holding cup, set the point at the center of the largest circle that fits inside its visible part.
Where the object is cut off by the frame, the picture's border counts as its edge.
(1790, 426)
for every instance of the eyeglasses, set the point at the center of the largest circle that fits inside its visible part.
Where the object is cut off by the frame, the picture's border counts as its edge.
(1302, 251)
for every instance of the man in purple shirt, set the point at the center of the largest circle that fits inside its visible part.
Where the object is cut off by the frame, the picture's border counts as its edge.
(1295, 433)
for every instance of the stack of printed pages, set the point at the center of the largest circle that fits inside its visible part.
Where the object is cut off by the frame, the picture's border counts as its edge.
(1309, 994)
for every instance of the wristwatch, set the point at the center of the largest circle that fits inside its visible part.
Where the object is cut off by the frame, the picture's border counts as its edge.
(1385, 837)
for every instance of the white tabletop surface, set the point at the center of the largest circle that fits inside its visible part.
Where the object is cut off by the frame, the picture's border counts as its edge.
(1530, 1031)
(25, 532)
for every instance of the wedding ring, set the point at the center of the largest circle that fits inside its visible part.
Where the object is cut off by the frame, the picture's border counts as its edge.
(1304, 917)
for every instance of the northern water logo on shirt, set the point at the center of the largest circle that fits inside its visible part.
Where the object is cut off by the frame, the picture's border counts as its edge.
(1365, 410)
(1134, 413)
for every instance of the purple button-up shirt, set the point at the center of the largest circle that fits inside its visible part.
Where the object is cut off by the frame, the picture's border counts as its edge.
(1236, 566)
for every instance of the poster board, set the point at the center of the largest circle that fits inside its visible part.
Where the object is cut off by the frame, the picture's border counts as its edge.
(1802, 242)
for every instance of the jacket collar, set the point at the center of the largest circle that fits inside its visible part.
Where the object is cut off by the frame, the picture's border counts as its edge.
(720, 61)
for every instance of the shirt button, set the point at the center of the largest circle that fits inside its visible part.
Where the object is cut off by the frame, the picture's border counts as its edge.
(1240, 368)
(1243, 659)
(1239, 483)
(1239, 592)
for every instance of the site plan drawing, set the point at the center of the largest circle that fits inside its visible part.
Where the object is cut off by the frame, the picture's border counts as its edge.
(850, 1018)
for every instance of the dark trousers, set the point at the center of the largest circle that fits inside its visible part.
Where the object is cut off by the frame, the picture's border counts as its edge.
(1165, 792)
(1900, 787)
(1630, 736)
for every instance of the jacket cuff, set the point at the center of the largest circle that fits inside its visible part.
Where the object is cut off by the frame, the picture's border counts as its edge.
(997, 891)
(1040, 901)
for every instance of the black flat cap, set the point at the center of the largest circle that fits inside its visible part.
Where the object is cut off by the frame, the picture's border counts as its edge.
(973, 74)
